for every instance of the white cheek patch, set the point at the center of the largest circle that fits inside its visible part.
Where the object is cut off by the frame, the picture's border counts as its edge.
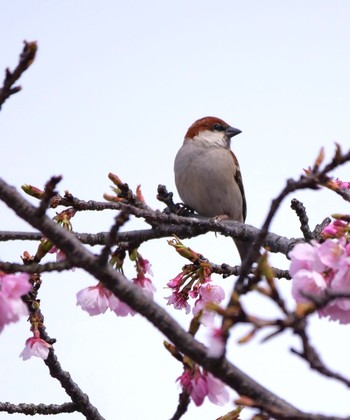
(213, 137)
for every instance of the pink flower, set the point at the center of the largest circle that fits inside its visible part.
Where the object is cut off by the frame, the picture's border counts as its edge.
(60, 255)
(305, 256)
(145, 284)
(185, 380)
(144, 265)
(333, 253)
(200, 385)
(208, 293)
(15, 285)
(119, 307)
(308, 282)
(335, 229)
(179, 301)
(12, 287)
(35, 346)
(216, 346)
(194, 384)
(326, 266)
(199, 388)
(177, 281)
(334, 312)
(217, 392)
(194, 292)
(94, 299)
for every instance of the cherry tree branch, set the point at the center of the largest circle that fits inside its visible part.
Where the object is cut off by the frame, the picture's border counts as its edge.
(133, 296)
(166, 225)
(81, 401)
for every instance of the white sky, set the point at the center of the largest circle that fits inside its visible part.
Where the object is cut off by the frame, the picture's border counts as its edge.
(114, 88)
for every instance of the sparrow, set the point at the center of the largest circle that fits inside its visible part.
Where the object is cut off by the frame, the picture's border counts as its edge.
(207, 174)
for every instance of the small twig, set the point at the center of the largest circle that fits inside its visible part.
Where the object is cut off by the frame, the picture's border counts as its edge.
(33, 409)
(311, 356)
(25, 60)
(184, 401)
(49, 192)
(80, 400)
(167, 198)
(319, 228)
(9, 268)
(111, 239)
(226, 271)
(300, 210)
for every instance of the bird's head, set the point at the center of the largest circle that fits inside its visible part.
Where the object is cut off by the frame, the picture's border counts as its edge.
(211, 130)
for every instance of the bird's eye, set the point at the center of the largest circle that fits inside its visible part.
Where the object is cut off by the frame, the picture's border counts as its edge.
(218, 127)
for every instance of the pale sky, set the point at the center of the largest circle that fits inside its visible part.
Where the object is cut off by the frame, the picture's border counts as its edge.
(113, 89)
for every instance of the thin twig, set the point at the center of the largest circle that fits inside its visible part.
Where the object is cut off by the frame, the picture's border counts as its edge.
(25, 60)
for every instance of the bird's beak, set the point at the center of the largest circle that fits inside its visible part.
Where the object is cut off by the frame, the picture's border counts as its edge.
(231, 132)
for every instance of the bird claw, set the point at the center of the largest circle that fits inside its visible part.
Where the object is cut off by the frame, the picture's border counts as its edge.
(221, 218)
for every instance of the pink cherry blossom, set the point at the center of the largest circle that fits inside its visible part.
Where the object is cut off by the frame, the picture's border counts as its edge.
(194, 384)
(15, 285)
(326, 267)
(217, 392)
(185, 380)
(335, 229)
(119, 307)
(334, 312)
(179, 301)
(12, 287)
(60, 255)
(145, 284)
(35, 346)
(308, 282)
(305, 256)
(177, 281)
(332, 253)
(194, 292)
(199, 388)
(94, 299)
(216, 345)
(208, 293)
(145, 266)
(200, 384)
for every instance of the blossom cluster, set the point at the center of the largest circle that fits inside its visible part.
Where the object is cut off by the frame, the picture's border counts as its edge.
(12, 287)
(200, 384)
(204, 291)
(194, 282)
(317, 268)
(97, 299)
